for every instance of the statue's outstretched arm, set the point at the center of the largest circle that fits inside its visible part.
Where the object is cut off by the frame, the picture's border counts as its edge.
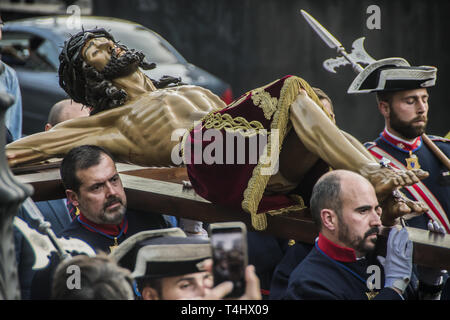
(63, 137)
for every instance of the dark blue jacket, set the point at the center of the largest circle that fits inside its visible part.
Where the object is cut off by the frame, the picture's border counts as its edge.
(291, 259)
(321, 277)
(265, 252)
(137, 222)
(438, 183)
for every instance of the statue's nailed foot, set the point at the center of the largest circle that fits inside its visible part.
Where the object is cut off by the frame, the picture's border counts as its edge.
(386, 181)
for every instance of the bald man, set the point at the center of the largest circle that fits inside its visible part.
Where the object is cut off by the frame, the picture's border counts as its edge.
(343, 264)
(347, 214)
(65, 110)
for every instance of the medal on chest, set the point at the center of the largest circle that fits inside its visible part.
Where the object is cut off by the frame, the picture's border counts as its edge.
(113, 247)
(412, 162)
(371, 294)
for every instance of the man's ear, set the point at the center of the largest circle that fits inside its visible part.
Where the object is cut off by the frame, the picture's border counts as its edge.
(329, 219)
(48, 126)
(383, 107)
(72, 196)
(148, 293)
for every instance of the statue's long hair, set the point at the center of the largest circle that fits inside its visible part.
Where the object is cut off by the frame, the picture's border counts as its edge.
(86, 85)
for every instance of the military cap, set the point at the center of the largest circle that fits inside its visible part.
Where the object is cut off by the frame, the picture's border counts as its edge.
(393, 74)
(162, 253)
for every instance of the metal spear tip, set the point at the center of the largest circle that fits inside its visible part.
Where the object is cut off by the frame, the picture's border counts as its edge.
(323, 33)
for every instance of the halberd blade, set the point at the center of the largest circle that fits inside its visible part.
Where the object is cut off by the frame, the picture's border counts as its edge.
(326, 36)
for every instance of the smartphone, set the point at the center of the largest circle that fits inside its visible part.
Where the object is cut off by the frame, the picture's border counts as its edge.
(229, 252)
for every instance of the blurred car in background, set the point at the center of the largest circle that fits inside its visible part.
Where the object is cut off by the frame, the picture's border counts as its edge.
(32, 46)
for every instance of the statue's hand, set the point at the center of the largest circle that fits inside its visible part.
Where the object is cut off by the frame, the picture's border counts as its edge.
(19, 156)
(10, 157)
(397, 205)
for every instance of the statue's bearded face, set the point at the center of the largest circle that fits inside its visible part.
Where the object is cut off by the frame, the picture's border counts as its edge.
(110, 59)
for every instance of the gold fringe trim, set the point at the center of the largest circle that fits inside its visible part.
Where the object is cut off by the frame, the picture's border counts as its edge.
(258, 182)
(183, 143)
(245, 95)
(299, 200)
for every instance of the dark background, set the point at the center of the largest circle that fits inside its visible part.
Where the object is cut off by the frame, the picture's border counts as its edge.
(249, 43)
(252, 42)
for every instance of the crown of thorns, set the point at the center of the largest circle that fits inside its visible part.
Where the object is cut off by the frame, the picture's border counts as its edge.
(71, 79)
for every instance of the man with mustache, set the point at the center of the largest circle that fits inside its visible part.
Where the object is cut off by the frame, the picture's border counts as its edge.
(347, 213)
(402, 98)
(58, 212)
(93, 185)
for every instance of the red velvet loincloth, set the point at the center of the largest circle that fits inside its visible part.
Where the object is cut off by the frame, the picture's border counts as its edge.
(236, 175)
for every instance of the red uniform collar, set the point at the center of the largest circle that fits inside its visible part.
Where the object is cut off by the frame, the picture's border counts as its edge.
(109, 229)
(401, 143)
(335, 251)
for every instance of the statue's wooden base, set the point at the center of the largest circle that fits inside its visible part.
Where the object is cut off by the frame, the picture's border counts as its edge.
(161, 190)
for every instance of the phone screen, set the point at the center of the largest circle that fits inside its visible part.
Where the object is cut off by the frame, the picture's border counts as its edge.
(230, 258)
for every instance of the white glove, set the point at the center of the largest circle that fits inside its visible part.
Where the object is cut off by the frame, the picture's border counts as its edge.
(433, 226)
(398, 261)
(193, 228)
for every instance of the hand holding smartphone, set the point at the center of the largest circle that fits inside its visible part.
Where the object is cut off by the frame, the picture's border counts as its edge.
(229, 252)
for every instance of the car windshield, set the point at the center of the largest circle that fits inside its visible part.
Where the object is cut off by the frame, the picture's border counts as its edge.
(154, 47)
